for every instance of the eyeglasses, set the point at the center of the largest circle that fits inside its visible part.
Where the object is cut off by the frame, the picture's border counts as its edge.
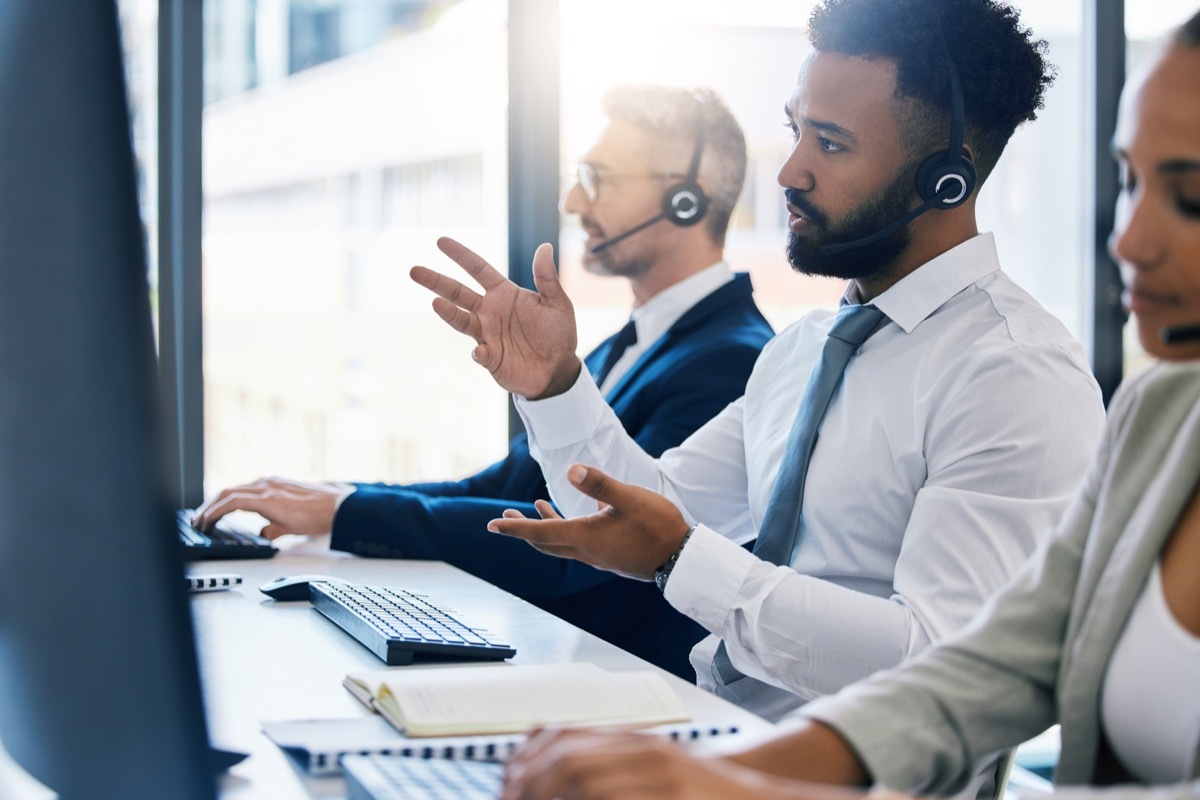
(589, 178)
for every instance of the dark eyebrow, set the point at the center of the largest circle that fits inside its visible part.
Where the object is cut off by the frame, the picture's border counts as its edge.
(830, 127)
(823, 126)
(1179, 165)
(1173, 166)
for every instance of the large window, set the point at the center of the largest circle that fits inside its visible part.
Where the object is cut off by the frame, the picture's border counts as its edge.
(340, 140)
(341, 137)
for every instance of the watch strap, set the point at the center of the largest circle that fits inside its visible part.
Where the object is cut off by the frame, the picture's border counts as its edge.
(664, 572)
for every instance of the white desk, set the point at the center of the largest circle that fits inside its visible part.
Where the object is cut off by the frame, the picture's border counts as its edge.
(263, 661)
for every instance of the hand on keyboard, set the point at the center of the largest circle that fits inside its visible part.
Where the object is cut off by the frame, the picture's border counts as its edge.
(296, 507)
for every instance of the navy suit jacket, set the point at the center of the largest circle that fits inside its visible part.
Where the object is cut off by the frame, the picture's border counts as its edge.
(694, 370)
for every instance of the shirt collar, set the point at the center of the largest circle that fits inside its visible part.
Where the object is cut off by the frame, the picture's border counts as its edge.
(926, 289)
(654, 317)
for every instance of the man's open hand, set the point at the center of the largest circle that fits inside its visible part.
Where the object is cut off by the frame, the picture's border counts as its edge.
(526, 339)
(633, 534)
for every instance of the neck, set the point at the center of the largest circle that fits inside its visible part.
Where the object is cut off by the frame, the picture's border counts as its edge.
(675, 265)
(931, 236)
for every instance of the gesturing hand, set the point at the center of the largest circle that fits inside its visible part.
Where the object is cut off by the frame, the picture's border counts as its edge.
(525, 339)
(633, 534)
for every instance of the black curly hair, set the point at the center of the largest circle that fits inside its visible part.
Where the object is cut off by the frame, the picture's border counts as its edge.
(1189, 32)
(1003, 70)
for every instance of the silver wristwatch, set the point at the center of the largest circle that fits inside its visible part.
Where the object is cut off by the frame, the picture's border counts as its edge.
(664, 572)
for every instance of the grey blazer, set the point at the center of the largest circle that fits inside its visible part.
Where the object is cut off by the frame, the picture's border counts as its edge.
(1037, 652)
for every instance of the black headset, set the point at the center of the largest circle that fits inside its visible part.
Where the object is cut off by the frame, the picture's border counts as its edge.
(945, 180)
(684, 204)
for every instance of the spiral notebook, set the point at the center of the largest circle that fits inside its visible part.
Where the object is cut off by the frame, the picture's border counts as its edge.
(318, 745)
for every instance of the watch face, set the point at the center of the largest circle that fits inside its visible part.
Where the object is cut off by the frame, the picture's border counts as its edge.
(660, 579)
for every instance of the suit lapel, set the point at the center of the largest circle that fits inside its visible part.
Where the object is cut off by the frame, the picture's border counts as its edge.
(737, 290)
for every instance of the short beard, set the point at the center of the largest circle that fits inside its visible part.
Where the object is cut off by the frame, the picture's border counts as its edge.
(870, 260)
(595, 264)
(610, 262)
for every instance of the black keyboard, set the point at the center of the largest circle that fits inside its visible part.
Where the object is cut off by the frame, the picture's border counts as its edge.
(221, 542)
(406, 778)
(397, 625)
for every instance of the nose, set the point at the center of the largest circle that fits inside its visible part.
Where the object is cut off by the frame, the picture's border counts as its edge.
(794, 172)
(573, 200)
(1137, 238)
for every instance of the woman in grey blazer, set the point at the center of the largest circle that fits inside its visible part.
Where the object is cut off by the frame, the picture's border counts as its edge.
(1099, 632)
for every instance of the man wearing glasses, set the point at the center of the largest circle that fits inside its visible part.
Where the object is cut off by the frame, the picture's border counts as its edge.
(654, 196)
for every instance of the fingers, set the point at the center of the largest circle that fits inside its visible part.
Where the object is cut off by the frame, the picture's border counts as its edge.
(483, 273)
(546, 510)
(514, 523)
(545, 276)
(445, 287)
(230, 501)
(604, 489)
(273, 531)
(587, 765)
(535, 531)
(454, 302)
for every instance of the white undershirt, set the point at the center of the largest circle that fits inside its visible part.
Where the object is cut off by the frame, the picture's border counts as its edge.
(656, 316)
(1150, 703)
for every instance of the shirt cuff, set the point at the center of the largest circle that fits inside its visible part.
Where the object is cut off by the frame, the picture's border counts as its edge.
(565, 419)
(707, 579)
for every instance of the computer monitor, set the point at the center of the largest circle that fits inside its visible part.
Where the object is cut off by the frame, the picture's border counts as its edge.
(99, 687)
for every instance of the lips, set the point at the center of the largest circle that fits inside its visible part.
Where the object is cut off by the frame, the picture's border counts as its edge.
(801, 216)
(797, 220)
(593, 232)
(1140, 300)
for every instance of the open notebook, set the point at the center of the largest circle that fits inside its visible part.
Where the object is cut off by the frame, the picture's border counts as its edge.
(506, 698)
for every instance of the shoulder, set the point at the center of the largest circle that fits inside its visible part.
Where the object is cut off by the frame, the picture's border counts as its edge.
(727, 311)
(1162, 390)
(995, 331)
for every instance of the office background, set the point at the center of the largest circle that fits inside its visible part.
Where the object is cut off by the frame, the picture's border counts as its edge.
(298, 156)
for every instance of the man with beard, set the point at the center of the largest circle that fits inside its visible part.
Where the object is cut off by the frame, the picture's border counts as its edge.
(955, 415)
(685, 354)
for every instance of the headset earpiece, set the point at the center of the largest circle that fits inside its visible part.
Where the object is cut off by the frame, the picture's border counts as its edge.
(951, 182)
(685, 204)
(947, 179)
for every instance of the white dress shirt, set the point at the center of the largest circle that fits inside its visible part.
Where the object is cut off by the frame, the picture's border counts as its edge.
(655, 317)
(959, 433)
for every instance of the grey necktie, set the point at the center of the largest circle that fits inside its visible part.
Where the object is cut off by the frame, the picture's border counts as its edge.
(781, 524)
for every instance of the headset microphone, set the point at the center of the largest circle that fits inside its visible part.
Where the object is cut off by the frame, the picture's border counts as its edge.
(620, 237)
(684, 204)
(945, 180)
(1181, 334)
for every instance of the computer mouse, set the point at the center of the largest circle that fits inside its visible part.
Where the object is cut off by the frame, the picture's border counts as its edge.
(293, 587)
